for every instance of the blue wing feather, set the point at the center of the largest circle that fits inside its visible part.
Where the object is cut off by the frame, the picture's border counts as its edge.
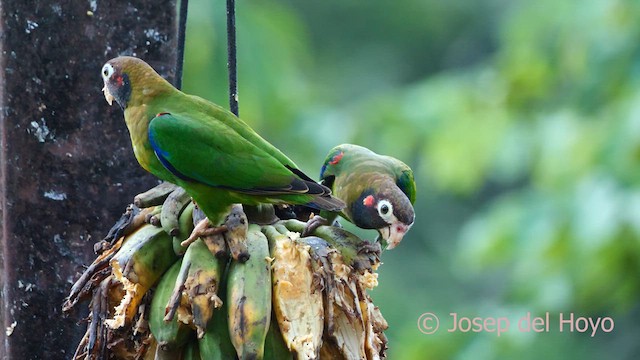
(162, 156)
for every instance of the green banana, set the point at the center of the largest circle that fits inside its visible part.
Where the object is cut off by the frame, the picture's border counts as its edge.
(297, 298)
(153, 216)
(168, 354)
(171, 209)
(169, 334)
(249, 297)
(140, 262)
(216, 342)
(216, 244)
(191, 351)
(204, 273)
(154, 196)
(185, 226)
(274, 345)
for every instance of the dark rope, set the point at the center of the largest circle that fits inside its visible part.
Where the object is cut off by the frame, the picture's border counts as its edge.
(182, 30)
(231, 57)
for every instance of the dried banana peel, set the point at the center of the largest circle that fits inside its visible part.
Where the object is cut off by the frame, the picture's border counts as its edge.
(297, 300)
(138, 265)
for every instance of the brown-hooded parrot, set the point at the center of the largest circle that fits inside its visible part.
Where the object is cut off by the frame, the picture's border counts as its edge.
(379, 191)
(216, 157)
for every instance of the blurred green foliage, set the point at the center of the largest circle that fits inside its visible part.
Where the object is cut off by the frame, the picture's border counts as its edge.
(521, 120)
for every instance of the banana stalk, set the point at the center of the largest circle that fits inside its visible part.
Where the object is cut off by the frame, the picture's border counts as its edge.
(357, 253)
(249, 297)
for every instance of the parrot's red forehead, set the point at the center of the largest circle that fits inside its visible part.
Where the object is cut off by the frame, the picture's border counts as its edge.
(336, 158)
(368, 201)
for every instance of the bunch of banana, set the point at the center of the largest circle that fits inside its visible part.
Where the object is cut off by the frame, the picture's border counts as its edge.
(256, 291)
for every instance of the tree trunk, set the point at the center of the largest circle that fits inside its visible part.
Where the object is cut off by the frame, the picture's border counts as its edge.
(66, 165)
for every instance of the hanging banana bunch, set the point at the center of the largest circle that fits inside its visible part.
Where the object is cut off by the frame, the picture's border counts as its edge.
(258, 291)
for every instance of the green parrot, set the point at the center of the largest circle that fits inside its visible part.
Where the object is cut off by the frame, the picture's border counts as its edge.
(378, 190)
(216, 157)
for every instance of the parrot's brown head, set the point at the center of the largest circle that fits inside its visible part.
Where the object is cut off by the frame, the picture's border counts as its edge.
(126, 79)
(386, 209)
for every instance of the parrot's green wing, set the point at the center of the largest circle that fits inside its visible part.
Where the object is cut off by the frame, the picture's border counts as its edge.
(208, 152)
(406, 183)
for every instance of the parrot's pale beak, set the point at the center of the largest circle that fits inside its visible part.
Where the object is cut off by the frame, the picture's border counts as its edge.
(394, 233)
(107, 95)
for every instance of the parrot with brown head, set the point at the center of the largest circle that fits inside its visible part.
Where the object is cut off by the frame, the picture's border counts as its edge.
(379, 191)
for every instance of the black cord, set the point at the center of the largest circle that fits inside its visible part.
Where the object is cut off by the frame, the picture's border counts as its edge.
(231, 57)
(182, 30)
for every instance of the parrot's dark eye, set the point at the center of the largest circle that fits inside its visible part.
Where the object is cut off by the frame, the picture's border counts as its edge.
(107, 71)
(385, 210)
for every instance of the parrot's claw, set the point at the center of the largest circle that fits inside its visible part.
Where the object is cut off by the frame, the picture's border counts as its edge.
(370, 248)
(203, 229)
(314, 222)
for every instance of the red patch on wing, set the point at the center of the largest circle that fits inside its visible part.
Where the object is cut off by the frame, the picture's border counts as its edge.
(368, 201)
(336, 159)
(162, 113)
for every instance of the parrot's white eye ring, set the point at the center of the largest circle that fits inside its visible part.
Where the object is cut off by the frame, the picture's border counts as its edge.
(107, 71)
(385, 210)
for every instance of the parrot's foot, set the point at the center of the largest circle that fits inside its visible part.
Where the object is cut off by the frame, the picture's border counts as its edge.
(314, 222)
(203, 229)
(370, 248)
